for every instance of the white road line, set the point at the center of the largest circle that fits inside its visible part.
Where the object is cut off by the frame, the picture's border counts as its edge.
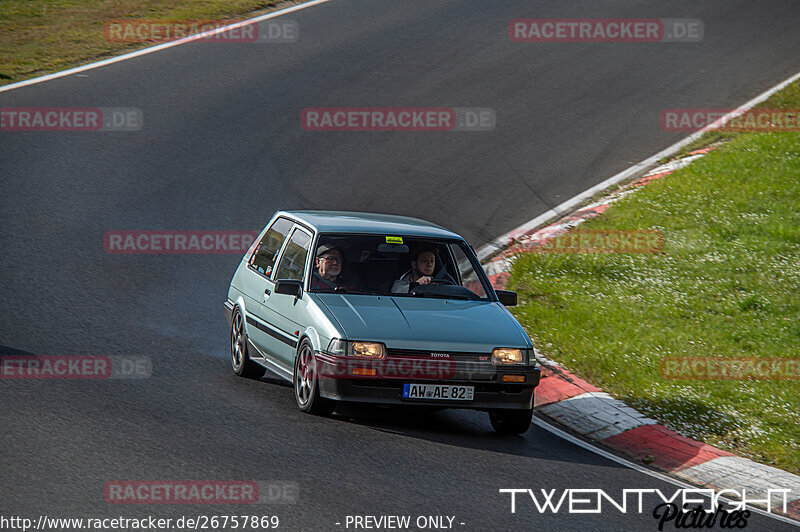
(641, 469)
(498, 243)
(159, 47)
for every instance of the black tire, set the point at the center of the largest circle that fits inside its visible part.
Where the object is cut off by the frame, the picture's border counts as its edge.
(306, 382)
(511, 421)
(240, 360)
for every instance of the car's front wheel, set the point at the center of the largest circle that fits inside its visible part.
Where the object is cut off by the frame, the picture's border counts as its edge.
(306, 383)
(511, 421)
(240, 361)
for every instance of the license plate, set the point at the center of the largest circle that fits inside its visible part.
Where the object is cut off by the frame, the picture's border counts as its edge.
(438, 392)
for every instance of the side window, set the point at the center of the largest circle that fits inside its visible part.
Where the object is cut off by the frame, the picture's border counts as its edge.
(293, 261)
(264, 256)
(469, 279)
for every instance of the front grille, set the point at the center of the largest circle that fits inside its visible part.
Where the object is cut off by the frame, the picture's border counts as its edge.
(457, 356)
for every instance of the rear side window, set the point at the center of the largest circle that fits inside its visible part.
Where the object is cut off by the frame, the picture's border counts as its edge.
(264, 256)
(293, 261)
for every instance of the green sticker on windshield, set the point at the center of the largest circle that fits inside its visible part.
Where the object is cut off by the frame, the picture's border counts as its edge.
(394, 239)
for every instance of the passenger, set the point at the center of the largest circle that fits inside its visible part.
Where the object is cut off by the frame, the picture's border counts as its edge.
(423, 264)
(328, 271)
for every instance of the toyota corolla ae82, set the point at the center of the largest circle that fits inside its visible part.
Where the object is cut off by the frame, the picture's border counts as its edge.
(383, 309)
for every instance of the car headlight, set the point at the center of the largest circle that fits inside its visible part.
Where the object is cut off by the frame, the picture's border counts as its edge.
(504, 356)
(357, 348)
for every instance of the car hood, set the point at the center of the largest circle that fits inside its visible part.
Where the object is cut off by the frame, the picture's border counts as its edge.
(426, 323)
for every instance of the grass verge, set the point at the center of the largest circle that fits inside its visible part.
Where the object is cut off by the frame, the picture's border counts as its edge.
(788, 98)
(725, 284)
(40, 37)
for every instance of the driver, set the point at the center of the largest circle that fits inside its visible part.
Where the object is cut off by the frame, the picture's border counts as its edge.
(328, 270)
(423, 264)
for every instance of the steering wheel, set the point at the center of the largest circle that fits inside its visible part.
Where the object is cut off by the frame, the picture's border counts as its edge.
(445, 288)
(444, 279)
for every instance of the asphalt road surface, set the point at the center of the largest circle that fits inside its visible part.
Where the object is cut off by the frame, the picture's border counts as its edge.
(222, 148)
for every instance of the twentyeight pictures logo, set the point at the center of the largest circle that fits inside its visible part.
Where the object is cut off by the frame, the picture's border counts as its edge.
(71, 119)
(605, 30)
(681, 508)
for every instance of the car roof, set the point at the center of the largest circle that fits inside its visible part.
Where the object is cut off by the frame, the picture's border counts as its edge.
(365, 222)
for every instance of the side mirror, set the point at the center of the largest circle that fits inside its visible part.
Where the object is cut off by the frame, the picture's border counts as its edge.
(290, 287)
(507, 297)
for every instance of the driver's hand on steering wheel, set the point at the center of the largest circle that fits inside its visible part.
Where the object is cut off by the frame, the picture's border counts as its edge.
(425, 280)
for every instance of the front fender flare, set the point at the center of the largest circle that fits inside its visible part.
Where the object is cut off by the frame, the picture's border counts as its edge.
(313, 337)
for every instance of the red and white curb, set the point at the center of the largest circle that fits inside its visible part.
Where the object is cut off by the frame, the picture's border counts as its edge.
(594, 414)
(584, 409)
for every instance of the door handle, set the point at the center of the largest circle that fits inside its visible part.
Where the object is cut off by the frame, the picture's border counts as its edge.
(267, 293)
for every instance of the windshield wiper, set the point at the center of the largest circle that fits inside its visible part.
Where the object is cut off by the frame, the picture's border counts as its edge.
(340, 289)
(438, 296)
(353, 290)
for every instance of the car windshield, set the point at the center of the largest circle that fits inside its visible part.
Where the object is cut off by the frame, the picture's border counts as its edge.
(398, 265)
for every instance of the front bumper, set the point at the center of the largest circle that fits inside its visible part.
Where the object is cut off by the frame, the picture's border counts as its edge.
(338, 381)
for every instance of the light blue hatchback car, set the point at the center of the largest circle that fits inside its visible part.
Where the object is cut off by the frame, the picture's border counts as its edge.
(382, 309)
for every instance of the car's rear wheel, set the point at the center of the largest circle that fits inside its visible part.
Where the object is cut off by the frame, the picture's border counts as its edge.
(306, 383)
(240, 360)
(511, 421)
